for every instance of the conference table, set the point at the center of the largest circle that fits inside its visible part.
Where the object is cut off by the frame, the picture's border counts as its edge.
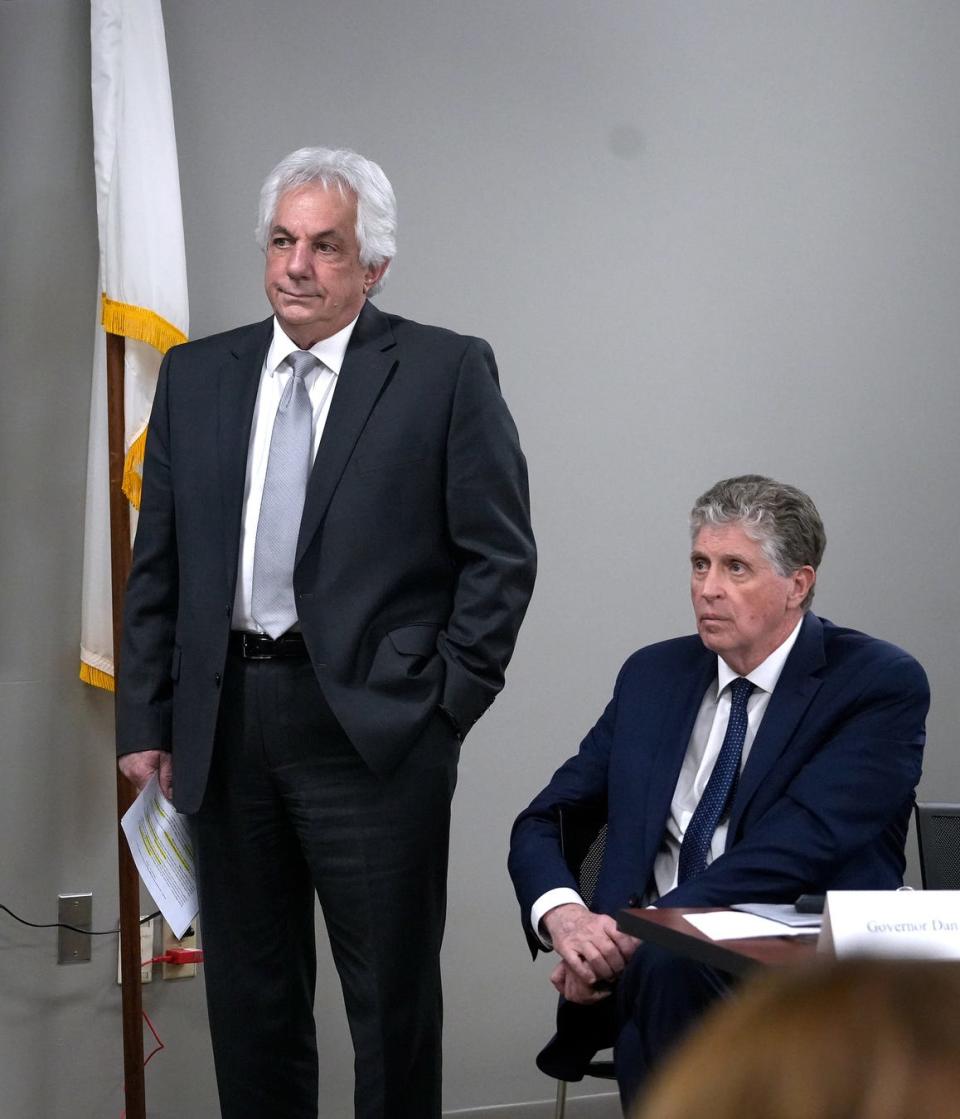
(668, 929)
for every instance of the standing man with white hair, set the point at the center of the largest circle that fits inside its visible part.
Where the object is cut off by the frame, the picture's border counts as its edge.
(333, 560)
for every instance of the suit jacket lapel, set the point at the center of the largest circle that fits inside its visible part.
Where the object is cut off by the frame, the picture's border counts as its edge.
(366, 366)
(797, 686)
(680, 706)
(239, 380)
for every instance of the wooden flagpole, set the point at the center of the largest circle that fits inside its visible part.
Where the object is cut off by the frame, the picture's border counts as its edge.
(134, 1085)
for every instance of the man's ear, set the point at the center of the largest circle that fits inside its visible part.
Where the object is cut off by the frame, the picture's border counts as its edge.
(803, 579)
(374, 274)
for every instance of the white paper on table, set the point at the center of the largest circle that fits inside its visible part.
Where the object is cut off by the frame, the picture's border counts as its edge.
(732, 925)
(783, 914)
(159, 840)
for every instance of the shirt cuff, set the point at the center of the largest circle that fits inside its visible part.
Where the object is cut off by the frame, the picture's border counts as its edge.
(562, 895)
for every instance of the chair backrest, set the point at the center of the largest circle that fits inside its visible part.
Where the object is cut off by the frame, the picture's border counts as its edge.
(583, 839)
(938, 841)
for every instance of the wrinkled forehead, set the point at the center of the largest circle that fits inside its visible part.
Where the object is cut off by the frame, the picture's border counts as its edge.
(731, 537)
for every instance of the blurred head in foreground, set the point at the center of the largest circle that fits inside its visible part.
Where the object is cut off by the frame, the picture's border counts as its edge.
(858, 1039)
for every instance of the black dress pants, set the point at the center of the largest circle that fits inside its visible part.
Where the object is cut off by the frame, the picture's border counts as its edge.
(292, 810)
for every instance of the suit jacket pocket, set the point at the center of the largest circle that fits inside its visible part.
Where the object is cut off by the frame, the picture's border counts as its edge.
(419, 639)
(407, 665)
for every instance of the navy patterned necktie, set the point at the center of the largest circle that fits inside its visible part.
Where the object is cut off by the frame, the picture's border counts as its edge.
(281, 507)
(720, 788)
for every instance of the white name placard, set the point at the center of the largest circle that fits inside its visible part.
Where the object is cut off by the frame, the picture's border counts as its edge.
(921, 924)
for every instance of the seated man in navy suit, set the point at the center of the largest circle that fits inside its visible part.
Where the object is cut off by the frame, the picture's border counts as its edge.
(770, 755)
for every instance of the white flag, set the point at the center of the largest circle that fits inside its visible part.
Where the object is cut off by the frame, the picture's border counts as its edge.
(143, 275)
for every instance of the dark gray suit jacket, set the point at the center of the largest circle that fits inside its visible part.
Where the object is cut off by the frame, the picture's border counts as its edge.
(415, 559)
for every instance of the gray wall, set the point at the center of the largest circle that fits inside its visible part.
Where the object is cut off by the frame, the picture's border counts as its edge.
(703, 238)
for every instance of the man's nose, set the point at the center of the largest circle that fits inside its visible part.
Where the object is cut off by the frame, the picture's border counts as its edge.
(711, 585)
(298, 260)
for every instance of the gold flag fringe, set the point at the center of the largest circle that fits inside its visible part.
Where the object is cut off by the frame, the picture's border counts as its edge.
(146, 326)
(96, 677)
(133, 469)
(140, 323)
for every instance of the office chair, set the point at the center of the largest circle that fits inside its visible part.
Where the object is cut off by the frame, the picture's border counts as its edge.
(583, 839)
(938, 842)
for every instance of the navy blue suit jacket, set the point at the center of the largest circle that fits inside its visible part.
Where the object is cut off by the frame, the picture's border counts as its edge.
(823, 801)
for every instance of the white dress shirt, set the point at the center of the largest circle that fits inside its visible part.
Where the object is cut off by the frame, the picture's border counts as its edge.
(702, 750)
(321, 383)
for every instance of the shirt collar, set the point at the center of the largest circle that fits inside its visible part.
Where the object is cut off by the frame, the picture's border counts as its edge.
(767, 673)
(330, 350)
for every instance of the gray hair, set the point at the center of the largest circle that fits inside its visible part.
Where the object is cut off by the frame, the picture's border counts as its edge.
(781, 518)
(347, 171)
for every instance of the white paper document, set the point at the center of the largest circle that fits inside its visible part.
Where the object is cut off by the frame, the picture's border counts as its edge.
(731, 925)
(159, 839)
(784, 914)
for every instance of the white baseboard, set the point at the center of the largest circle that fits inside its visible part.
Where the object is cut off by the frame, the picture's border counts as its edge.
(600, 1105)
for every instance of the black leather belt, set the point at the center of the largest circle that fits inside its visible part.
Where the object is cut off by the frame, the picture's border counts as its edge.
(260, 647)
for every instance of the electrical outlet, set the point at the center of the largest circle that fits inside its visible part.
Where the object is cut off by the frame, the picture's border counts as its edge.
(188, 940)
(146, 953)
(73, 946)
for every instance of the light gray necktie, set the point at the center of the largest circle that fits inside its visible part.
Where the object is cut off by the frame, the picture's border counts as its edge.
(281, 507)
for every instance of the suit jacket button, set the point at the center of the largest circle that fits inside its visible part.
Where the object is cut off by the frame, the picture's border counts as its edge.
(228, 609)
(216, 679)
(633, 901)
